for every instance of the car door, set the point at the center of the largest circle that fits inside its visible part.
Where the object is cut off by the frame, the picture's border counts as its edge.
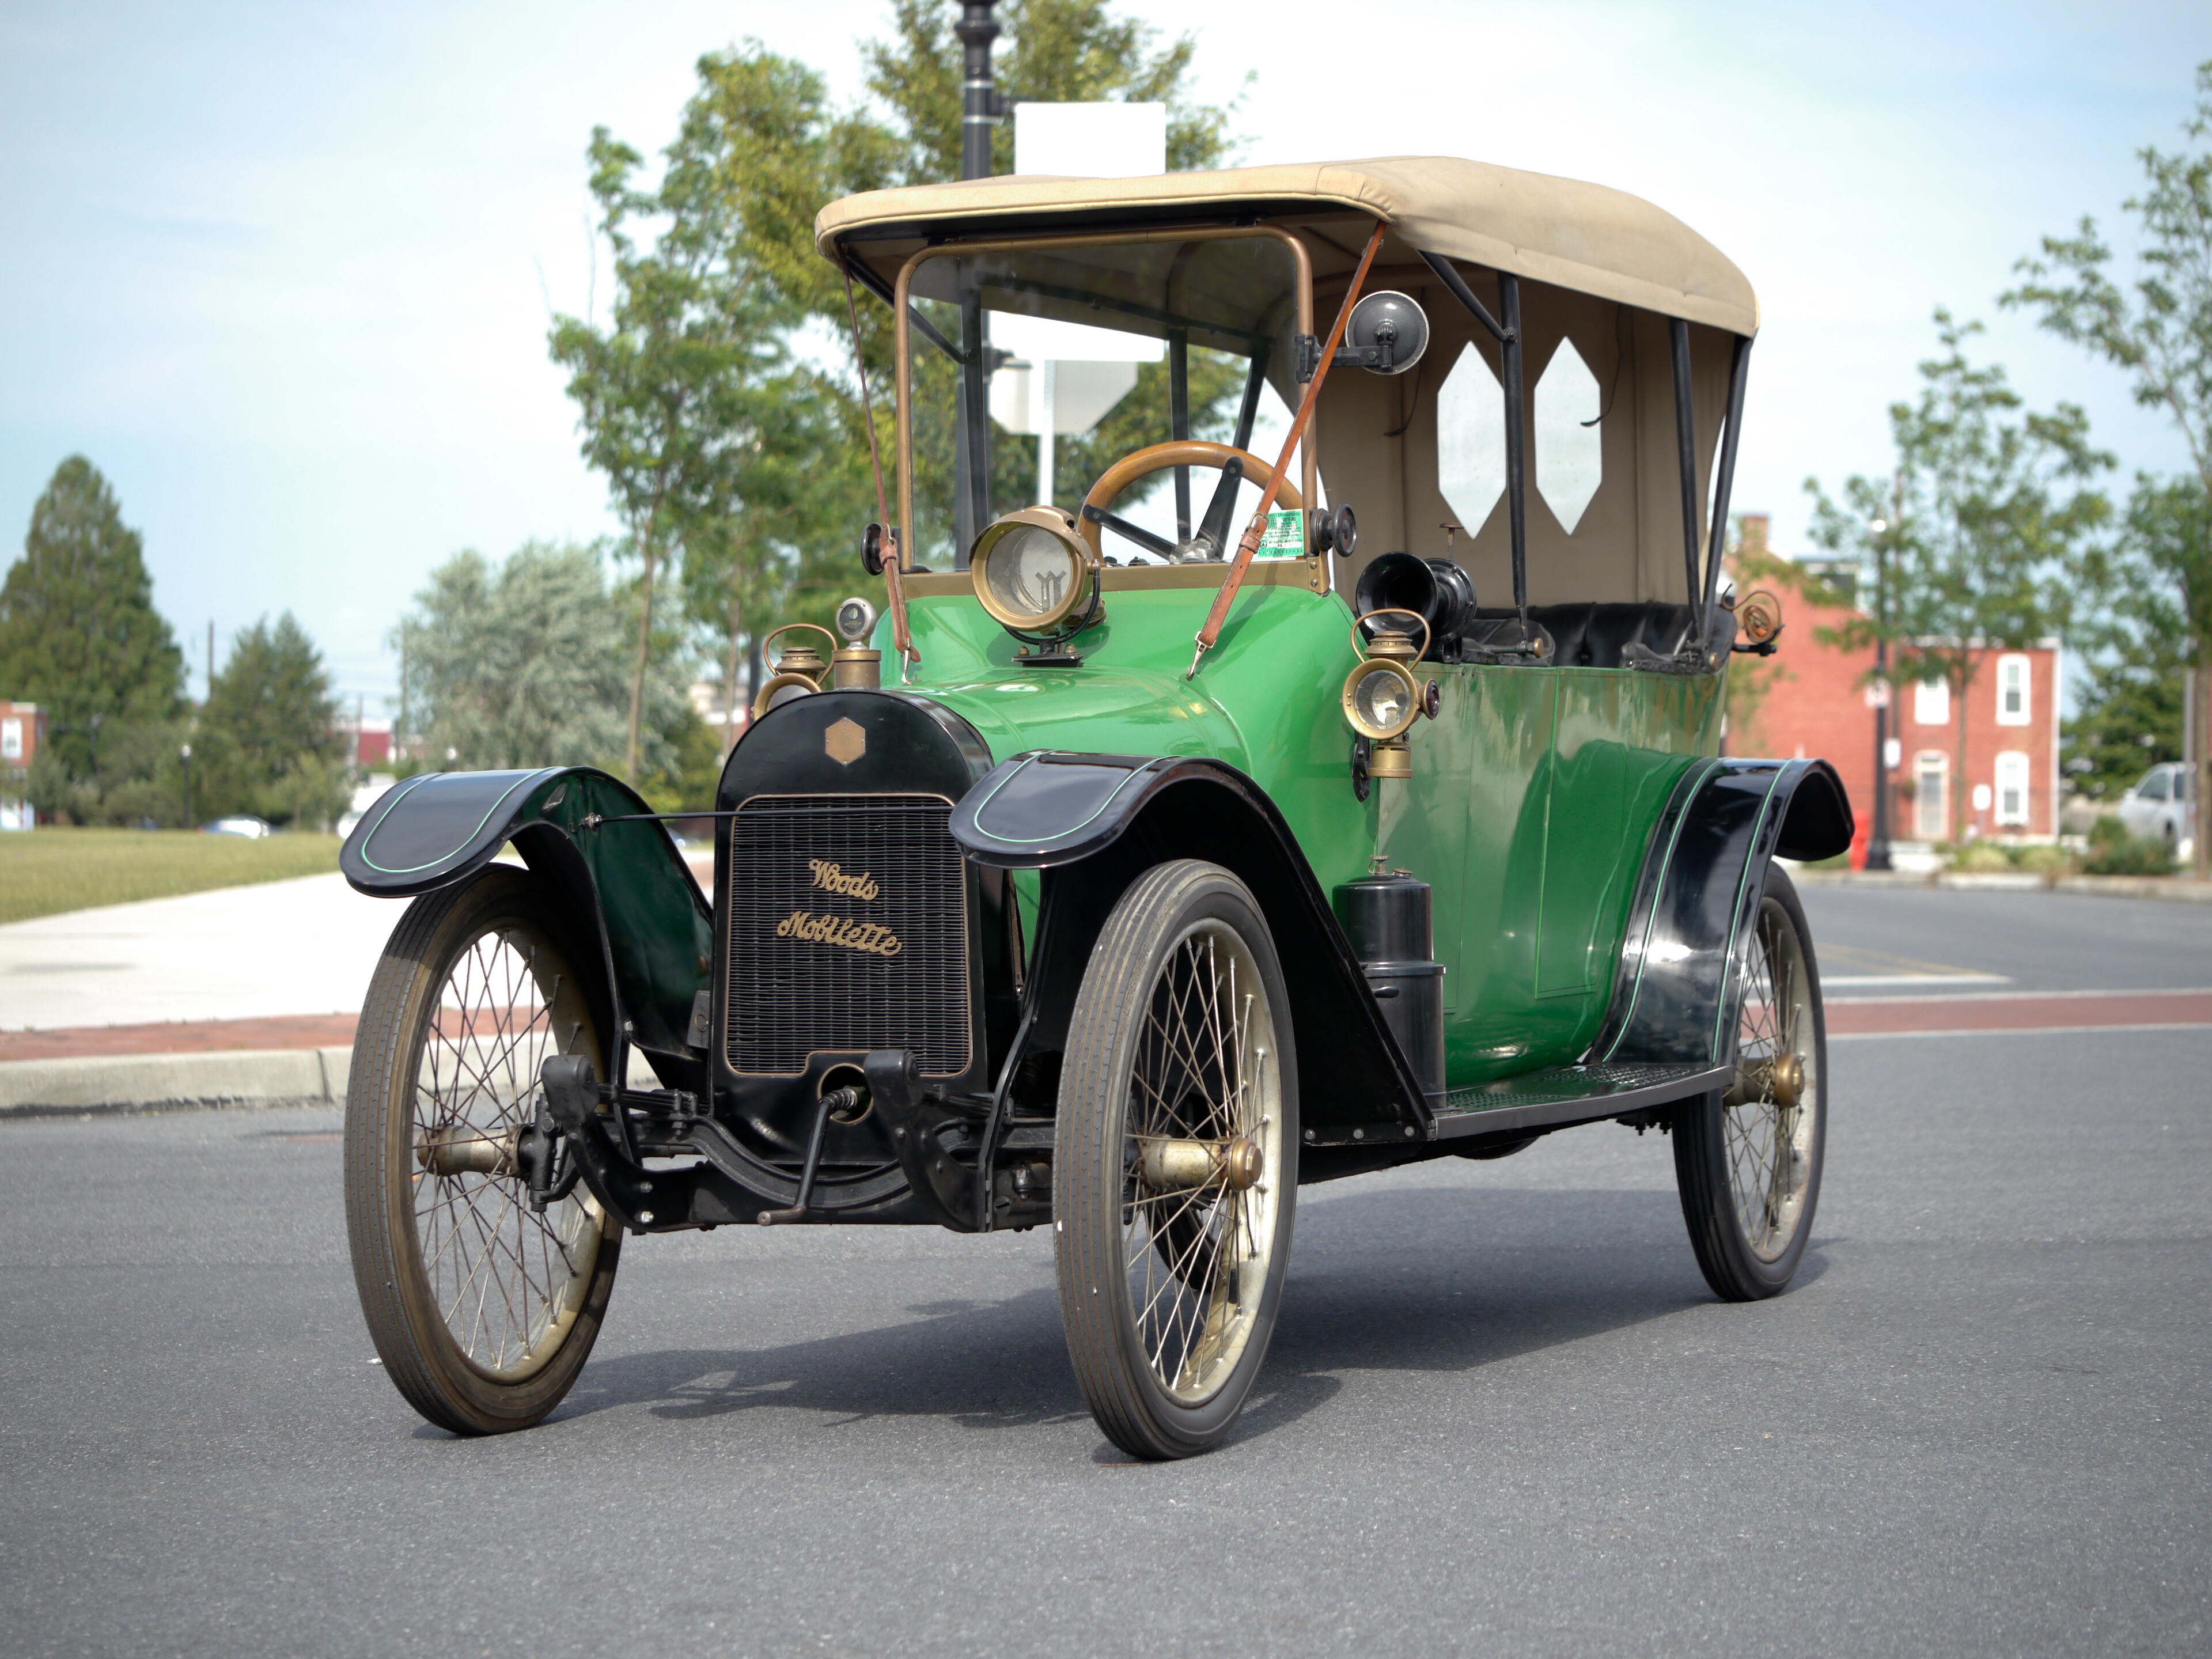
(2142, 807)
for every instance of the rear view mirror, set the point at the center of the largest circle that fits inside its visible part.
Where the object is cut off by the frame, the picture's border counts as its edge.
(1387, 332)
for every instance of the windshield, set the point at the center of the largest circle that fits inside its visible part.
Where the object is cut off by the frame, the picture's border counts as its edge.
(1032, 368)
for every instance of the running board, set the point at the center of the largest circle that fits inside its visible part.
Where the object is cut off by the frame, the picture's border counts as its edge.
(1571, 1094)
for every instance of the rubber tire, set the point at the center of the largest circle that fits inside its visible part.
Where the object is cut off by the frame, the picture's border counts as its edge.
(419, 1354)
(1134, 1412)
(1701, 1177)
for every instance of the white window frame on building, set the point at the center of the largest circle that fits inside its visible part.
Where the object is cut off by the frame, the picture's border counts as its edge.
(1931, 703)
(11, 738)
(2013, 680)
(2012, 772)
(1931, 764)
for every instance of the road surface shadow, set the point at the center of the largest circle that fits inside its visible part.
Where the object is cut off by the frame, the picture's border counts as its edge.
(1443, 1279)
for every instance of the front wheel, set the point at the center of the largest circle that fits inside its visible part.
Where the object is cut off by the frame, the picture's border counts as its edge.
(1177, 1168)
(1748, 1159)
(481, 1310)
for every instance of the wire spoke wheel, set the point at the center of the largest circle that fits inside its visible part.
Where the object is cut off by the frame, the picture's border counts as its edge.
(1177, 1178)
(482, 1309)
(1197, 1254)
(1765, 1123)
(1748, 1158)
(508, 1284)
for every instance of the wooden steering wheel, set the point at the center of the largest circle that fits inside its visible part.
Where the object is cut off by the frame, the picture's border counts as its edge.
(1097, 512)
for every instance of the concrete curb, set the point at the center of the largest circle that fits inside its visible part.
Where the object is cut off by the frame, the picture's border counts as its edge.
(142, 1083)
(2172, 889)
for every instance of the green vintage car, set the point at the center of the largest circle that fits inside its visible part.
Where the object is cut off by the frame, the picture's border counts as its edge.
(1270, 811)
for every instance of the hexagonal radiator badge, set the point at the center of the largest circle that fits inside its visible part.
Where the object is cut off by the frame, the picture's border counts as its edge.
(844, 741)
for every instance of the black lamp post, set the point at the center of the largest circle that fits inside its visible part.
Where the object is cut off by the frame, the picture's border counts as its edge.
(981, 108)
(184, 754)
(1877, 856)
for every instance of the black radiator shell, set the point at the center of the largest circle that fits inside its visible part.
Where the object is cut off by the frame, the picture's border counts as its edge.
(884, 744)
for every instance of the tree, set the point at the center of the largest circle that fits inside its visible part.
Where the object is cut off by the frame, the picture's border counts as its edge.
(267, 742)
(2160, 334)
(1979, 524)
(760, 134)
(2127, 720)
(525, 663)
(671, 393)
(1057, 51)
(730, 457)
(79, 634)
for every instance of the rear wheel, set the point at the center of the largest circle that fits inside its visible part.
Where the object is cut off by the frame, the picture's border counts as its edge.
(483, 1311)
(1748, 1159)
(1176, 1172)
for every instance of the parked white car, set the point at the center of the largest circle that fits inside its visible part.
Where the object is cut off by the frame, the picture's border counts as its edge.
(251, 828)
(2161, 806)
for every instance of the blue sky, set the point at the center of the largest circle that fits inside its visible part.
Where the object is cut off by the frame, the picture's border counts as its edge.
(284, 271)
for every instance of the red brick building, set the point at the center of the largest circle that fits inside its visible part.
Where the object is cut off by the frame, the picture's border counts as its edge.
(370, 740)
(22, 725)
(1810, 699)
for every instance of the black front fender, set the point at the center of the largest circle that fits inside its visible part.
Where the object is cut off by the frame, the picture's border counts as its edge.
(627, 889)
(1675, 992)
(1093, 823)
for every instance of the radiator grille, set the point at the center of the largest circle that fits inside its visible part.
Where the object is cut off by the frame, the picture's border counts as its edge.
(847, 924)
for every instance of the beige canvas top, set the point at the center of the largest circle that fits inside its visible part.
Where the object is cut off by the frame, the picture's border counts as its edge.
(1579, 236)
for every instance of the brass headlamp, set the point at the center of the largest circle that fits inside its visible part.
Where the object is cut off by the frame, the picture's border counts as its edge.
(1034, 572)
(1382, 698)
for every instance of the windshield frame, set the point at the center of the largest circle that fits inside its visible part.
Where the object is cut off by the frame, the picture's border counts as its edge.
(903, 313)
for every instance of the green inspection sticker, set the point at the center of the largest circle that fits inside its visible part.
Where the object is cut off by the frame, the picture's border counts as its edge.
(1285, 535)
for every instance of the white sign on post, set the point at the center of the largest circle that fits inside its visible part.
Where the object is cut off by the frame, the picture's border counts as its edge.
(1065, 377)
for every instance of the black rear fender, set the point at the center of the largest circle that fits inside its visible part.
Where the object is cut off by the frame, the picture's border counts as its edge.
(1093, 823)
(1675, 996)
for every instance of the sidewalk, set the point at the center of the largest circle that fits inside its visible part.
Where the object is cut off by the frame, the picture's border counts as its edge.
(2182, 889)
(243, 993)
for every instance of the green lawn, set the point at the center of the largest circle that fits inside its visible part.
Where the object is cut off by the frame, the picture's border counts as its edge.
(47, 871)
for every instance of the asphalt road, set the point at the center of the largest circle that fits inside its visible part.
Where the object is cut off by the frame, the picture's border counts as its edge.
(1503, 1413)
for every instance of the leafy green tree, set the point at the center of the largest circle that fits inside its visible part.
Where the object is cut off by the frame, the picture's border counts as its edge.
(267, 743)
(730, 456)
(760, 134)
(1981, 520)
(672, 392)
(2159, 330)
(79, 634)
(2127, 720)
(526, 663)
(135, 777)
(1053, 51)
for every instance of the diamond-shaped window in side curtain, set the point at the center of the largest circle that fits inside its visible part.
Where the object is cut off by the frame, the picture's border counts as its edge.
(1471, 439)
(1570, 456)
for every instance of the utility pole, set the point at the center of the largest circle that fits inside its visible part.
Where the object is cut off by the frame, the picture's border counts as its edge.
(210, 678)
(1877, 855)
(979, 111)
(2194, 685)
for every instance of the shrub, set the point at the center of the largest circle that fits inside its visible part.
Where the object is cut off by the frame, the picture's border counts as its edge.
(1981, 855)
(2125, 855)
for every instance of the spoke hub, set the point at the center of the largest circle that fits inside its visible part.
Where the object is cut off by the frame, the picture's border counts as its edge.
(458, 1149)
(1236, 1165)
